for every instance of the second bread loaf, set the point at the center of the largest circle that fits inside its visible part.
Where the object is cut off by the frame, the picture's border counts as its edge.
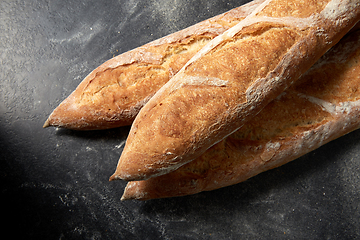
(230, 80)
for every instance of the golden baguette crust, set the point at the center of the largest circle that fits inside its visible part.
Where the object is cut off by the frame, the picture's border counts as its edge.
(230, 80)
(112, 94)
(323, 105)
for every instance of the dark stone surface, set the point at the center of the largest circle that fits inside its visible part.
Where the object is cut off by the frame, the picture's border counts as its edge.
(54, 183)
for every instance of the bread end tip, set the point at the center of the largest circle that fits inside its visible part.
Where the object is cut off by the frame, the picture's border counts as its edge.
(46, 124)
(114, 177)
(124, 198)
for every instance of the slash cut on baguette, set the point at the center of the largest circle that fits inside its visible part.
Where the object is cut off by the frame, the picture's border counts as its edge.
(322, 105)
(231, 80)
(113, 94)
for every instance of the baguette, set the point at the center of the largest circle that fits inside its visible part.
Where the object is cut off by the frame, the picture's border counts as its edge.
(322, 105)
(231, 80)
(112, 95)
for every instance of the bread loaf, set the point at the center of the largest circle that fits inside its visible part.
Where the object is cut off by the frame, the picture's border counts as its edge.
(230, 80)
(112, 94)
(322, 105)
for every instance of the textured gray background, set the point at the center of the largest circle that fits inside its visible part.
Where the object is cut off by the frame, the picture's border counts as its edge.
(54, 183)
